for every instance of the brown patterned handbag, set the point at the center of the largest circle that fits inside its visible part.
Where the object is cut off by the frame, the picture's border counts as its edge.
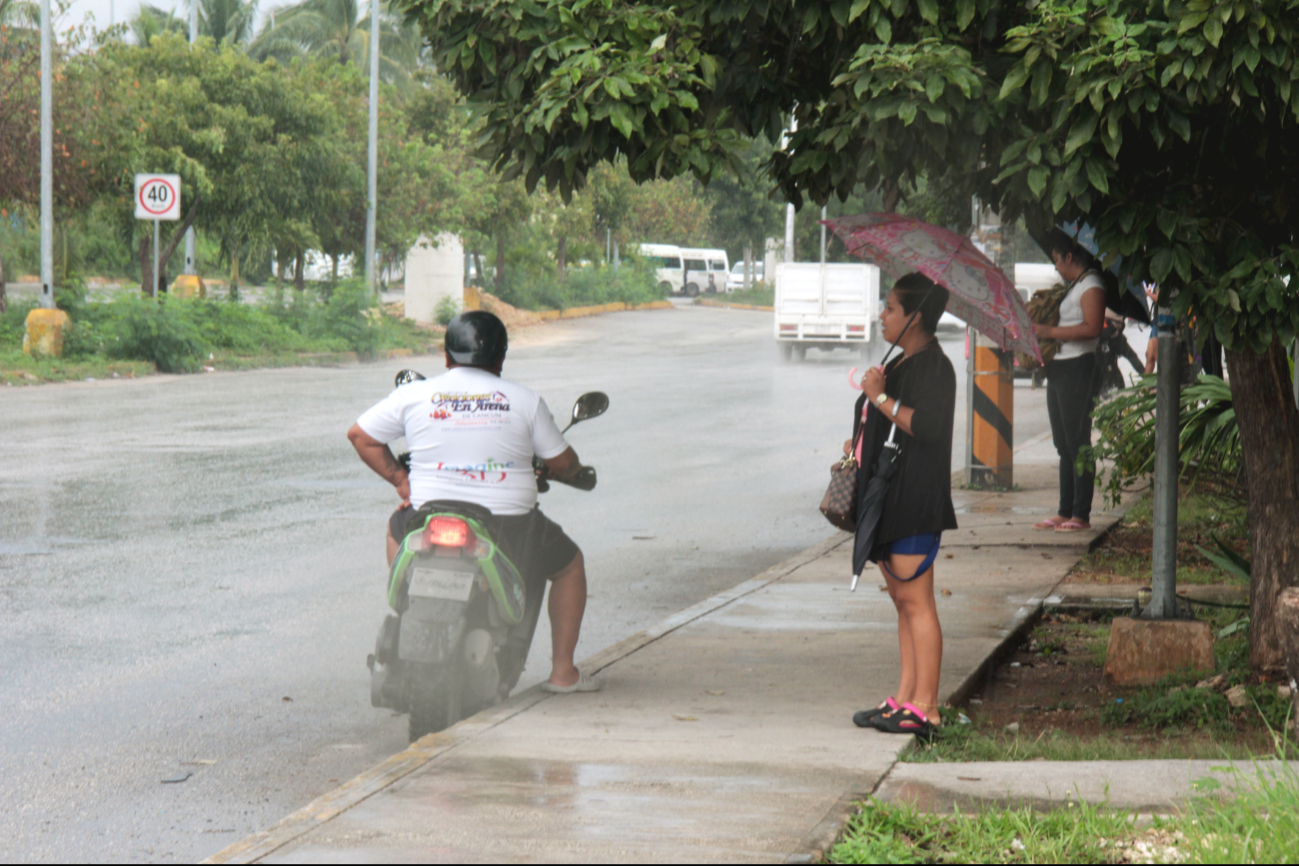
(839, 505)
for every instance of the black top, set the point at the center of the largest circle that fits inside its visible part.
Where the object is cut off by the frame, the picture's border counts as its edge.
(919, 499)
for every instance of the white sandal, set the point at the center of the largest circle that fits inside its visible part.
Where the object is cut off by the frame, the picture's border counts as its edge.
(585, 683)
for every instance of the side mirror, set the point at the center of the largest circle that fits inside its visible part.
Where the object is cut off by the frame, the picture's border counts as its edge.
(405, 377)
(590, 405)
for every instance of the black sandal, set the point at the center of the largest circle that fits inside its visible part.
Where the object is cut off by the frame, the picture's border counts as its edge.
(866, 718)
(907, 720)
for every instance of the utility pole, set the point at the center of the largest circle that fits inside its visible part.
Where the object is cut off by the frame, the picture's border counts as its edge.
(191, 263)
(823, 213)
(373, 167)
(47, 159)
(1163, 583)
(789, 208)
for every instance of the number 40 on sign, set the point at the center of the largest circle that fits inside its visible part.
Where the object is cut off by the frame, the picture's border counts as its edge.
(157, 196)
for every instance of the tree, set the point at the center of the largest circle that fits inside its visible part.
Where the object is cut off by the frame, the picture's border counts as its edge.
(1168, 125)
(226, 22)
(335, 29)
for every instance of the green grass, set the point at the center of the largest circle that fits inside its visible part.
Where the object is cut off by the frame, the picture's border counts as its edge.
(759, 296)
(963, 743)
(897, 833)
(19, 369)
(1258, 824)
(177, 335)
(1124, 556)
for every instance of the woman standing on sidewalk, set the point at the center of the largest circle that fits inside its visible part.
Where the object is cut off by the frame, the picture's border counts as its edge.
(917, 393)
(1071, 379)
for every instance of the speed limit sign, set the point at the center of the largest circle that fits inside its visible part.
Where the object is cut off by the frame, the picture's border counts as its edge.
(157, 196)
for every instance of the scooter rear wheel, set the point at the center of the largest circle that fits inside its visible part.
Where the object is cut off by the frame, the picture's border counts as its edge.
(434, 699)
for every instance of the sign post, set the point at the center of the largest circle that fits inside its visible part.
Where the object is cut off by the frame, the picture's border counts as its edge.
(157, 198)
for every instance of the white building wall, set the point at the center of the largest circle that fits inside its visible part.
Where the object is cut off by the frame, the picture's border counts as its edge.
(434, 270)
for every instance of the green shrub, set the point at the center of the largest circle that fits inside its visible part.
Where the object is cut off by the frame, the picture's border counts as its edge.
(632, 283)
(1208, 436)
(446, 310)
(161, 331)
(1161, 707)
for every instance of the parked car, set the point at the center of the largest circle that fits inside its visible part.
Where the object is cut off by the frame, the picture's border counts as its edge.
(735, 280)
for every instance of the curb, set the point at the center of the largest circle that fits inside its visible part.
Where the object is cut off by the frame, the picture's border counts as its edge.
(419, 753)
(615, 307)
(725, 306)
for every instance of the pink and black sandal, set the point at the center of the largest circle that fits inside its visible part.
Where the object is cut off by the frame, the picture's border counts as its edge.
(1049, 523)
(1073, 526)
(907, 720)
(863, 718)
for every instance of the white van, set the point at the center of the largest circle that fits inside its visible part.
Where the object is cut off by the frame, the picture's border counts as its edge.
(666, 259)
(736, 279)
(704, 270)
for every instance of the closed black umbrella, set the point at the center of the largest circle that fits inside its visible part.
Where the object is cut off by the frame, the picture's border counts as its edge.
(872, 505)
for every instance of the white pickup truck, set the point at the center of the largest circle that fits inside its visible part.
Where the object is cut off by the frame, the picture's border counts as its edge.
(825, 306)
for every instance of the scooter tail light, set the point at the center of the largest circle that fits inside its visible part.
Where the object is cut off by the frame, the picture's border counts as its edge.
(449, 532)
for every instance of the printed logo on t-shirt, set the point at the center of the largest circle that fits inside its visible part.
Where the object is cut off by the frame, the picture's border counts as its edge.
(491, 470)
(480, 407)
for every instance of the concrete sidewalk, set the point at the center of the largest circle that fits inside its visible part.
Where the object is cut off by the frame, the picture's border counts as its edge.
(723, 734)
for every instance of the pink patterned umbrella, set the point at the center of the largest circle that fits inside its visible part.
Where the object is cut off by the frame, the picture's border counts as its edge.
(980, 293)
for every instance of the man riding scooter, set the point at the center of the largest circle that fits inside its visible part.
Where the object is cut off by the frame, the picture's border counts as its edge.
(472, 436)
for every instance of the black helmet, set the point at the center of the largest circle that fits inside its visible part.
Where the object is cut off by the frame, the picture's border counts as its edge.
(476, 338)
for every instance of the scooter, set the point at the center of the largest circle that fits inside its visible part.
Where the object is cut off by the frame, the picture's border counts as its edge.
(464, 616)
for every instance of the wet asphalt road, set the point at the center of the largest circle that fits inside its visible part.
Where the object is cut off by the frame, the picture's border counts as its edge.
(191, 568)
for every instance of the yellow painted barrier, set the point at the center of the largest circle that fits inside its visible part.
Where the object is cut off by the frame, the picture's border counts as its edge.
(472, 299)
(188, 286)
(44, 334)
(723, 305)
(994, 417)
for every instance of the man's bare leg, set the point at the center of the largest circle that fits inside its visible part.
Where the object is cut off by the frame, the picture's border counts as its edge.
(566, 606)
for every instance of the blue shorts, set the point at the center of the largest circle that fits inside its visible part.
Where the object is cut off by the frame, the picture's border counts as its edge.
(914, 545)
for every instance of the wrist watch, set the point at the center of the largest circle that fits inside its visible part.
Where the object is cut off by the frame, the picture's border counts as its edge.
(881, 400)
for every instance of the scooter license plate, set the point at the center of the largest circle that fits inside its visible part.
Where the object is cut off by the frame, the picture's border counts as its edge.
(436, 583)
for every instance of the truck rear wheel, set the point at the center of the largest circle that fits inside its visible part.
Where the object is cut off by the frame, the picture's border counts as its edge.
(801, 351)
(786, 352)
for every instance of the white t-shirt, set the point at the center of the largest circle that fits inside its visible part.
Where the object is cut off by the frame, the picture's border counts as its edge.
(1071, 314)
(471, 437)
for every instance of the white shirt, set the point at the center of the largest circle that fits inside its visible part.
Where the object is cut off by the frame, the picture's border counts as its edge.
(1071, 315)
(471, 437)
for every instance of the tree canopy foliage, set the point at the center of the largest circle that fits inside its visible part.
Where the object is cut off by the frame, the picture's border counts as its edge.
(1172, 126)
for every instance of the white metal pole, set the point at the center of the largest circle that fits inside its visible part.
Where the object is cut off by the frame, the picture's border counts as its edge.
(789, 208)
(191, 265)
(823, 213)
(154, 287)
(373, 167)
(47, 160)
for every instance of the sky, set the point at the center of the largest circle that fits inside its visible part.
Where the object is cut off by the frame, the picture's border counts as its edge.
(125, 10)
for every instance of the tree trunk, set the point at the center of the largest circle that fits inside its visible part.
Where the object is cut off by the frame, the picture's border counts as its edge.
(748, 266)
(1269, 438)
(299, 270)
(500, 263)
(233, 294)
(478, 269)
(146, 265)
(1288, 620)
(165, 254)
(562, 256)
(891, 193)
(333, 278)
(4, 302)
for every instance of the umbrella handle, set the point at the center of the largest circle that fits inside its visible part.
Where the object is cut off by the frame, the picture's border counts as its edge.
(852, 380)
